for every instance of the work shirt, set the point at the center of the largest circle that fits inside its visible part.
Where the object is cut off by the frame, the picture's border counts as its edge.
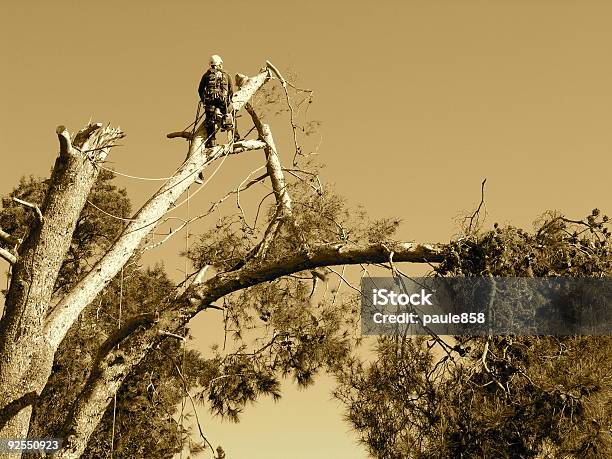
(215, 85)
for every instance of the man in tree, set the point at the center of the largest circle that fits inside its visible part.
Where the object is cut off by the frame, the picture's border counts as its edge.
(216, 92)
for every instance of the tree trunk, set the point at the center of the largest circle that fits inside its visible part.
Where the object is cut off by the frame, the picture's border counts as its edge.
(25, 356)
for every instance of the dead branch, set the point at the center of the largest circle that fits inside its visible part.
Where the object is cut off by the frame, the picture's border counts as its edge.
(298, 149)
(34, 207)
(274, 167)
(277, 178)
(180, 135)
(84, 134)
(475, 217)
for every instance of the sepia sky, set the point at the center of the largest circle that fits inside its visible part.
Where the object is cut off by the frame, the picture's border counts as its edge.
(419, 101)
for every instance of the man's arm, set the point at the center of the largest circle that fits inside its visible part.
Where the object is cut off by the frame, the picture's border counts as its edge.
(202, 86)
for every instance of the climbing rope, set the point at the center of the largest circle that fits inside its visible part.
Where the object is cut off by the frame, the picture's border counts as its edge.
(116, 217)
(115, 396)
(162, 179)
(152, 179)
(183, 398)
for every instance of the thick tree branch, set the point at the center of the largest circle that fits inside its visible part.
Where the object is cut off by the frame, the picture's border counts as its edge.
(316, 257)
(238, 147)
(247, 145)
(112, 368)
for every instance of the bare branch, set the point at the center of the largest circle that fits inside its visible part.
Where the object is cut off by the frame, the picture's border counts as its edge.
(247, 145)
(474, 219)
(34, 207)
(239, 147)
(274, 167)
(248, 88)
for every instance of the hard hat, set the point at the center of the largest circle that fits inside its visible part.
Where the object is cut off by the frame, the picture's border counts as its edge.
(215, 60)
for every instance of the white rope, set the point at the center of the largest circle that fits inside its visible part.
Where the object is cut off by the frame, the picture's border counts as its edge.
(152, 179)
(175, 207)
(115, 395)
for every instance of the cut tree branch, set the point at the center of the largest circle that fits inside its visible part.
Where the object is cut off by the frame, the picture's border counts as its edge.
(64, 141)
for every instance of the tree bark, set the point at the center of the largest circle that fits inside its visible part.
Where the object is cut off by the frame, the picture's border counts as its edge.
(25, 356)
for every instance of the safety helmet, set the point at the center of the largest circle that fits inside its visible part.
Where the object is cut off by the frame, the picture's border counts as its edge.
(215, 60)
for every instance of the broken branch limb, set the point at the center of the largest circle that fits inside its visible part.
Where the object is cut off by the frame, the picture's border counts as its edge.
(180, 135)
(273, 165)
(34, 207)
(84, 134)
(238, 147)
(247, 145)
